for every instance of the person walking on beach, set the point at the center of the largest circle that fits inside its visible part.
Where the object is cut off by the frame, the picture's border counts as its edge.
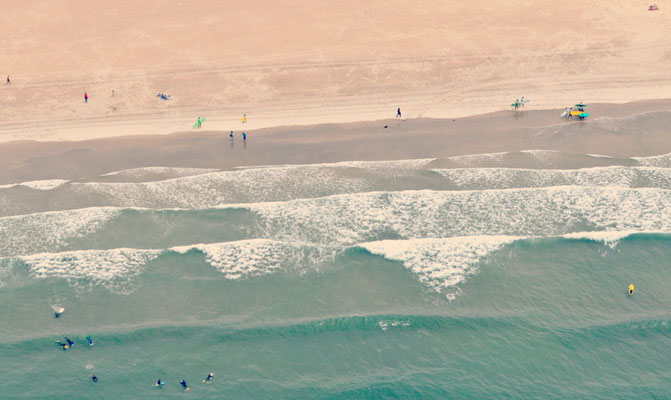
(244, 137)
(231, 135)
(8, 81)
(112, 92)
(398, 113)
(244, 118)
(86, 97)
(522, 101)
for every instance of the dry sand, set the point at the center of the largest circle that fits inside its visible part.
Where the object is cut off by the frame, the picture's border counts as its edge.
(304, 62)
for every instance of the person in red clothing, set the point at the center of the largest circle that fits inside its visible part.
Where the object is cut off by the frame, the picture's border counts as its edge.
(86, 97)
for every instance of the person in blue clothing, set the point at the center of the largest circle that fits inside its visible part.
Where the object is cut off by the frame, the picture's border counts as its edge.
(184, 385)
(244, 136)
(231, 135)
(70, 342)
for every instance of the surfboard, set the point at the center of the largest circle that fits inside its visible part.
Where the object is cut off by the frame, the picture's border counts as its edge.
(200, 122)
(576, 113)
(564, 114)
(584, 115)
(58, 309)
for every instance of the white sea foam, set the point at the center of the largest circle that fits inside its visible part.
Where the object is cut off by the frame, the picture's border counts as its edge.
(492, 178)
(278, 183)
(139, 173)
(38, 185)
(348, 219)
(256, 184)
(115, 267)
(439, 263)
(354, 218)
(32, 233)
(246, 258)
(609, 238)
(94, 265)
(663, 161)
(384, 165)
(283, 183)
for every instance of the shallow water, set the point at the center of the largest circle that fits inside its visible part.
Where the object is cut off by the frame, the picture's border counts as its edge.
(486, 276)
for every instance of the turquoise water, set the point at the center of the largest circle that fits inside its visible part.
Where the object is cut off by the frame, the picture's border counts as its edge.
(461, 283)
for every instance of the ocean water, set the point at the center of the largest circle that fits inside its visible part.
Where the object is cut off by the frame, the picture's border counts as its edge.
(484, 276)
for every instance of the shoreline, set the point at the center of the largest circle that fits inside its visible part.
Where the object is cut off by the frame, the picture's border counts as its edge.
(618, 130)
(157, 123)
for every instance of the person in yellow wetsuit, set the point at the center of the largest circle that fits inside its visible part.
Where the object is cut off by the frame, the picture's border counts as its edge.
(631, 289)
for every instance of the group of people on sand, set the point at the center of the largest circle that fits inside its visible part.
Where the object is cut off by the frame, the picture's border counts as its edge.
(653, 7)
(518, 103)
(244, 136)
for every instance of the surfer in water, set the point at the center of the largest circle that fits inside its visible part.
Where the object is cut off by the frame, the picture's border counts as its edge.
(209, 378)
(184, 385)
(64, 346)
(70, 342)
(88, 338)
(160, 383)
(94, 378)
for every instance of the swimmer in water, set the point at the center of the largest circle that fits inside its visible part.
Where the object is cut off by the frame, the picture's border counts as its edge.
(209, 378)
(63, 345)
(94, 378)
(70, 342)
(184, 385)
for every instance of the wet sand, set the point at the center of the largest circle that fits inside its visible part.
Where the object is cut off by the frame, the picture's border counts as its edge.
(634, 129)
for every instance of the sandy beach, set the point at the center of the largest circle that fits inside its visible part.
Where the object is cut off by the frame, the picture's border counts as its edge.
(304, 64)
(625, 130)
(331, 249)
